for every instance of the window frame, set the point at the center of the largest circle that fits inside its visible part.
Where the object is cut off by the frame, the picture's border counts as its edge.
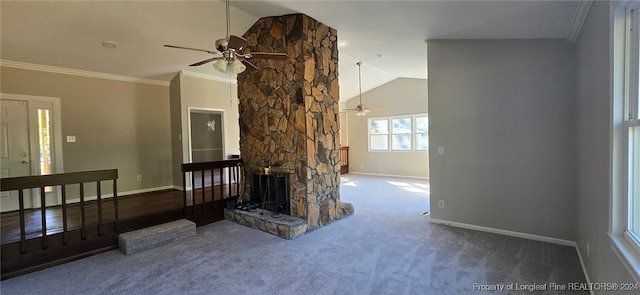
(624, 105)
(390, 133)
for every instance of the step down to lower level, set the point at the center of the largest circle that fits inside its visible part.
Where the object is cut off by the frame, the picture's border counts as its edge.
(154, 236)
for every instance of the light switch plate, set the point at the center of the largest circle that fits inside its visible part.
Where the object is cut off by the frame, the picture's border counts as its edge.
(71, 138)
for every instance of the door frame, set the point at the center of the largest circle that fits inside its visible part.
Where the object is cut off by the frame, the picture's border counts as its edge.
(222, 129)
(56, 120)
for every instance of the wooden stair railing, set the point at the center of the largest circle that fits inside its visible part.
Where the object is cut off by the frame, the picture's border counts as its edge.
(344, 160)
(33, 253)
(205, 203)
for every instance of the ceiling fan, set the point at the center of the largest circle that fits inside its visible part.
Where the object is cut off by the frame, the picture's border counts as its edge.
(229, 55)
(360, 109)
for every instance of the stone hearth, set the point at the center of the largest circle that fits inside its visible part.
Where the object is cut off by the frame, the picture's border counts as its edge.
(289, 114)
(286, 227)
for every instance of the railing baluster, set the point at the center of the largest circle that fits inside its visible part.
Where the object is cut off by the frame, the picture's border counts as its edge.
(202, 187)
(43, 209)
(23, 232)
(99, 207)
(193, 193)
(213, 197)
(82, 217)
(64, 214)
(184, 194)
(229, 184)
(115, 205)
(221, 183)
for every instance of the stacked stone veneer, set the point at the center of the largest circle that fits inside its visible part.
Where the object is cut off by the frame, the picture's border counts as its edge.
(289, 113)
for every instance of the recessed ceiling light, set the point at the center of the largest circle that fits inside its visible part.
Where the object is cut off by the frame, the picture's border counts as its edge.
(109, 44)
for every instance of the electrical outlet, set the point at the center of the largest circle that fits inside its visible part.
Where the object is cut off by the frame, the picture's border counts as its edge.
(441, 203)
(139, 177)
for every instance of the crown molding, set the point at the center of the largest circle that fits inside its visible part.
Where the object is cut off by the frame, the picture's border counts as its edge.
(578, 19)
(232, 80)
(67, 71)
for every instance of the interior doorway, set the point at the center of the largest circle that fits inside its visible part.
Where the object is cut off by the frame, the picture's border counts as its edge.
(31, 144)
(206, 140)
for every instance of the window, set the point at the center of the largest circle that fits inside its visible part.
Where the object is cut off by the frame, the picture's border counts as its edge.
(631, 123)
(379, 134)
(625, 192)
(44, 143)
(399, 133)
(422, 133)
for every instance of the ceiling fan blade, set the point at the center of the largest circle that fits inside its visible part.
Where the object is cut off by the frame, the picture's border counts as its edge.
(249, 65)
(265, 55)
(204, 61)
(237, 43)
(374, 109)
(189, 48)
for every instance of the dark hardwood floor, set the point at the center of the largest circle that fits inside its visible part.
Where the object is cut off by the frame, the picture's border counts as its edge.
(130, 207)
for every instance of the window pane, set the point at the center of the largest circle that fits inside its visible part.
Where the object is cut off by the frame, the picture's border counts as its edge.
(422, 125)
(379, 142)
(422, 141)
(634, 178)
(44, 143)
(401, 142)
(401, 125)
(379, 126)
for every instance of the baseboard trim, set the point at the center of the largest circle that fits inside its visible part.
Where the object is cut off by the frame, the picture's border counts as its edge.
(505, 232)
(122, 194)
(387, 175)
(146, 190)
(584, 269)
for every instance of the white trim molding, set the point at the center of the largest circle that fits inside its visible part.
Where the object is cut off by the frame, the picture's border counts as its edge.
(505, 232)
(230, 80)
(578, 19)
(387, 175)
(82, 73)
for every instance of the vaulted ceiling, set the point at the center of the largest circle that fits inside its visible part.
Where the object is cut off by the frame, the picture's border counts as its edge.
(388, 36)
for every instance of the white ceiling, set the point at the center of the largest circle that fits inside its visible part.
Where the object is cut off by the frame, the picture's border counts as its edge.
(388, 36)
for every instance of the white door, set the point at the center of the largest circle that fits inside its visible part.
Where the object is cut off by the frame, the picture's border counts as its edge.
(14, 149)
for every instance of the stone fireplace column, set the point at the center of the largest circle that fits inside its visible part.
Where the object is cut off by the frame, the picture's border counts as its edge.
(289, 113)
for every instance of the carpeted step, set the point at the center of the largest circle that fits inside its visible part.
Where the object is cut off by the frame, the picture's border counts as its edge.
(154, 236)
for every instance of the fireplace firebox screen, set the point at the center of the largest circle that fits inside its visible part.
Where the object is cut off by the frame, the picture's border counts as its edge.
(271, 192)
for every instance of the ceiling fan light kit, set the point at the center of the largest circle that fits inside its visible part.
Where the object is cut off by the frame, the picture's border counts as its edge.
(228, 55)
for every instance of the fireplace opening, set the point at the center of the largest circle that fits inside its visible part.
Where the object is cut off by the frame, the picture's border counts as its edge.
(271, 192)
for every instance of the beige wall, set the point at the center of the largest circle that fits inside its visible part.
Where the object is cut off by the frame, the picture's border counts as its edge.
(399, 97)
(176, 129)
(117, 124)
(188, 91)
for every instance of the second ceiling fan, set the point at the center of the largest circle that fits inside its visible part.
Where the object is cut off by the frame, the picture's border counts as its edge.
(229, 53)
(360, 109)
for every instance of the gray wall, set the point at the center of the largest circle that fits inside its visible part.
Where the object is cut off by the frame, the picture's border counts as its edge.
(399, 97)
(502, 111)
(117, 124)
(593, 116)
